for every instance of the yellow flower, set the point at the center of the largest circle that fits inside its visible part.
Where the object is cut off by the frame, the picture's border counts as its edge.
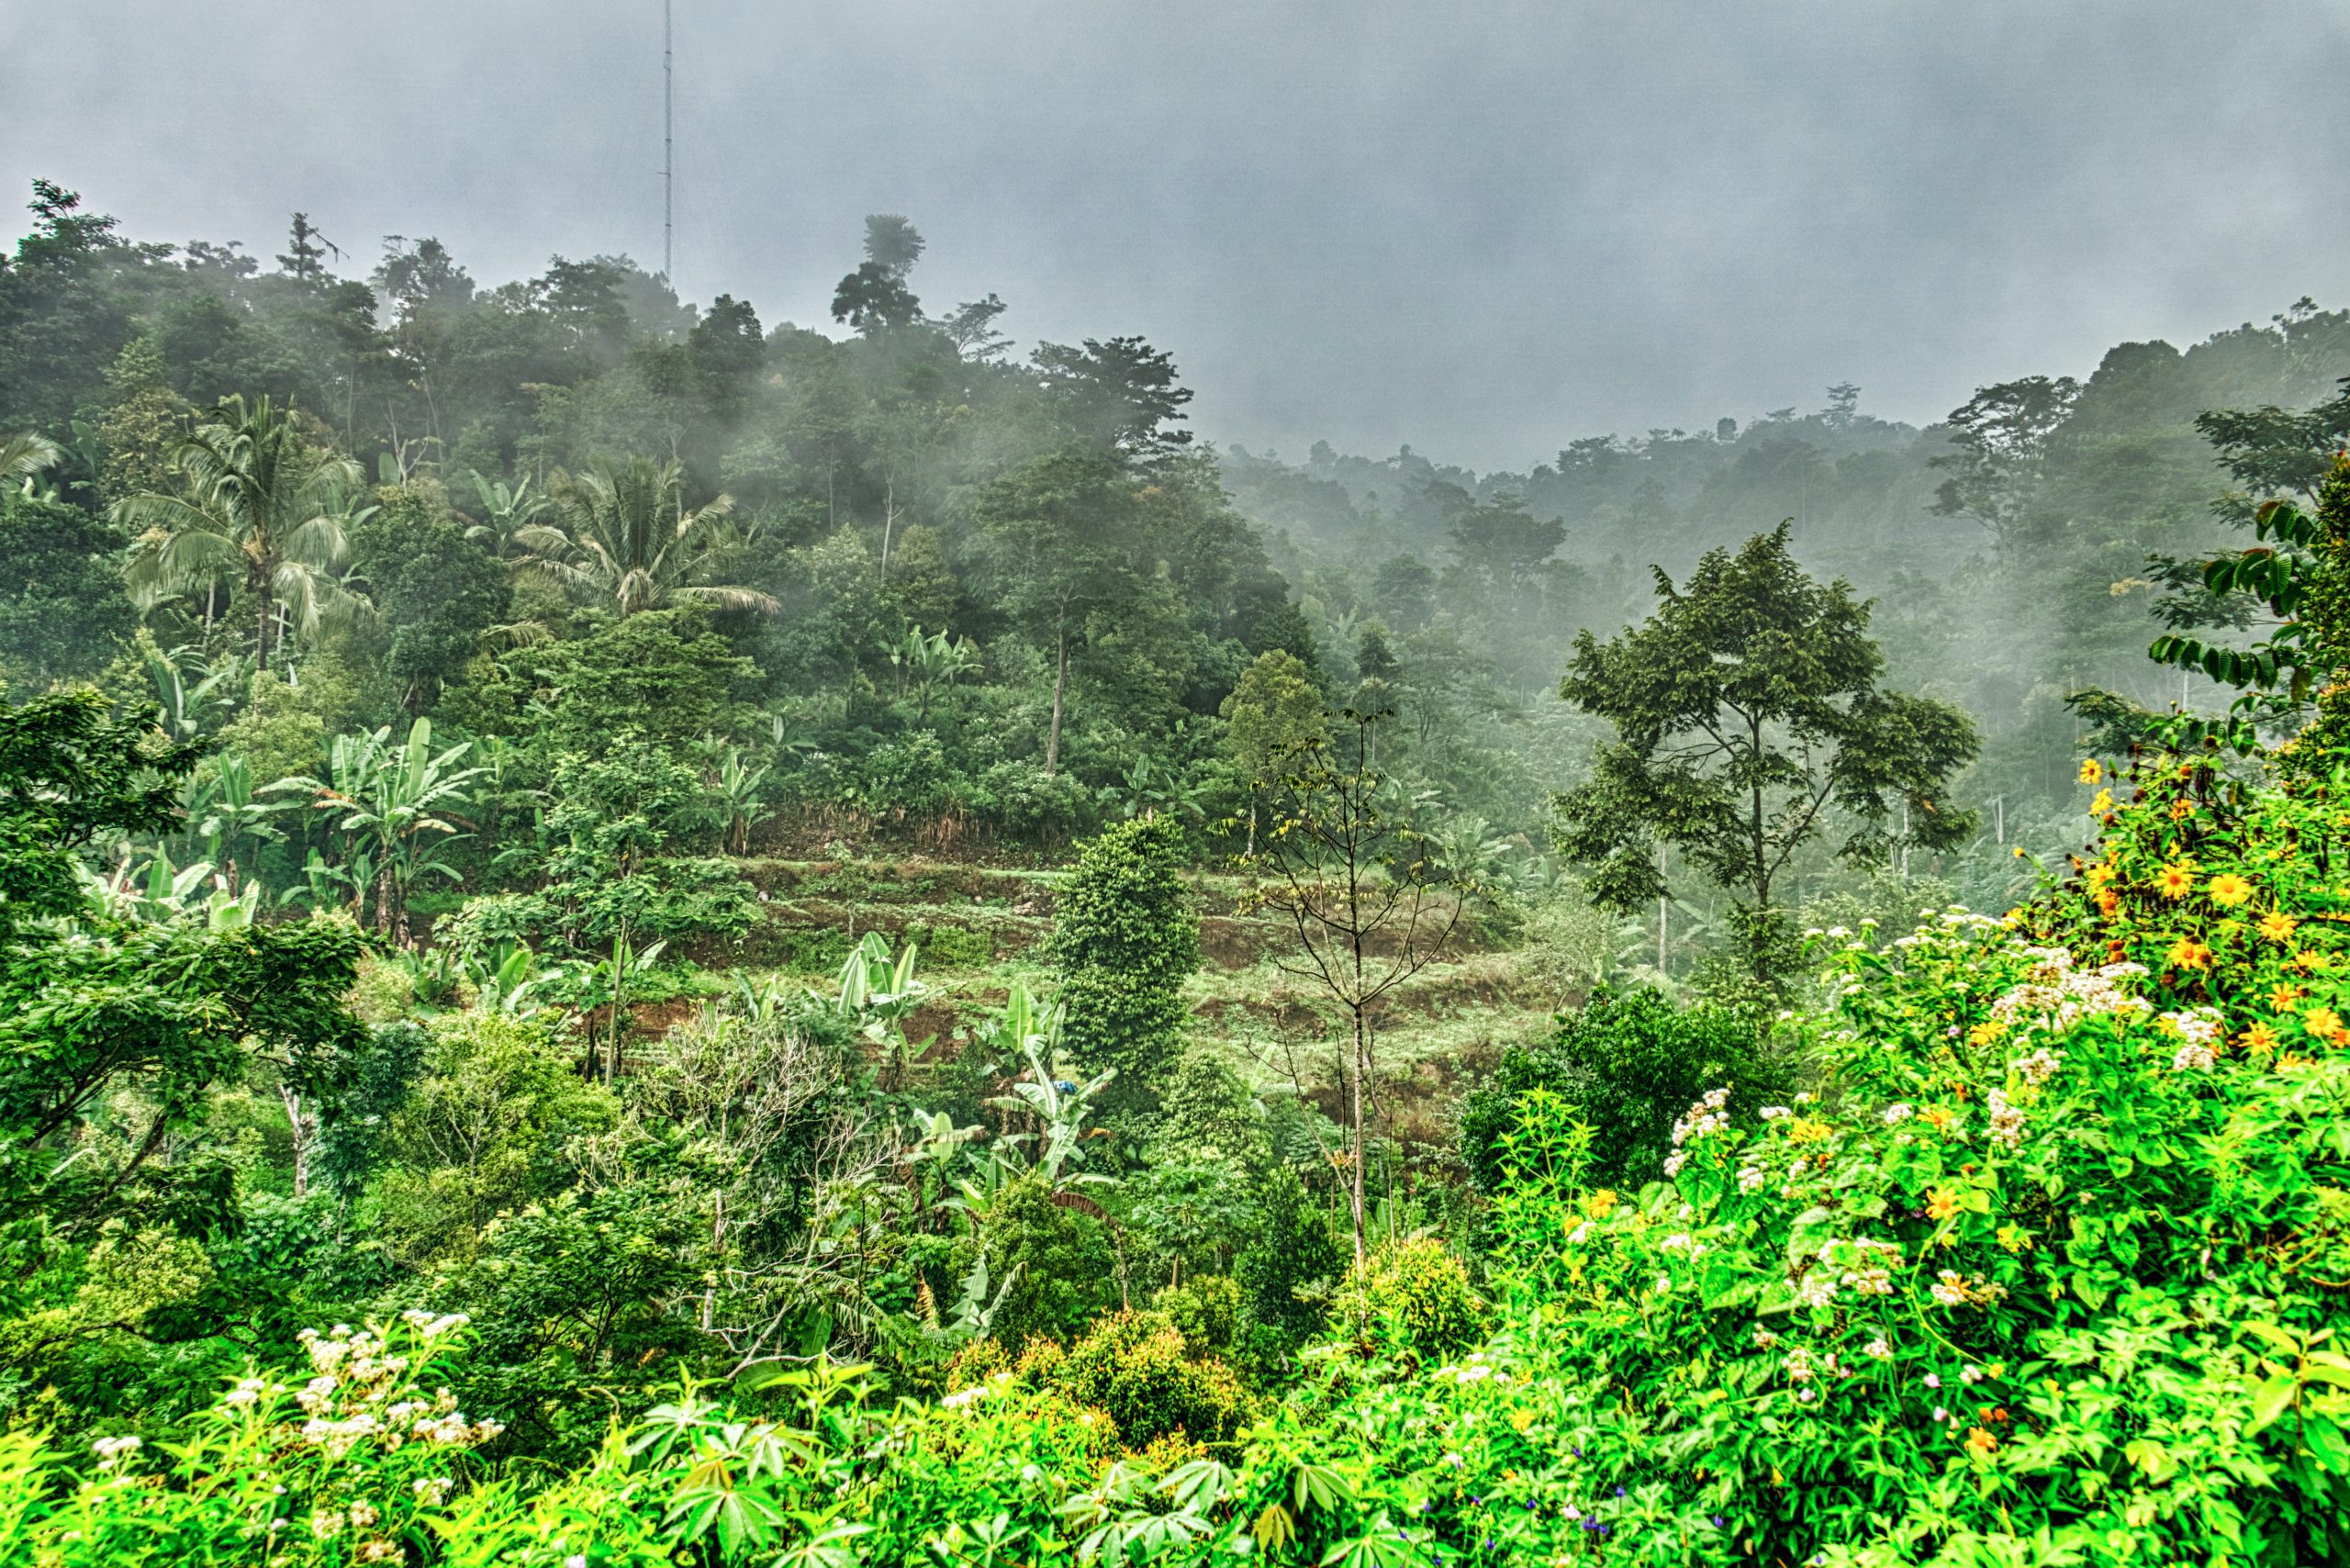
(2090, 771)
(2178, 880)
(2015, 1238)
(1980, 1443)
(2278, 926)
(2260, 1039)
(1599, 1203)
(2281, 996)
(2228, 889)
(2309, 960)
(1803, 1130)
(2108, 902)
(2322, 1022)
(1941, 1203)
(2102, 804)
(2181, 809)
(2188, 954)
(1982, 1034)
(2103, 872)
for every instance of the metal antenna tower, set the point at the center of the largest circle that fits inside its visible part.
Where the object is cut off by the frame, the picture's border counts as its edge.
(669, 151)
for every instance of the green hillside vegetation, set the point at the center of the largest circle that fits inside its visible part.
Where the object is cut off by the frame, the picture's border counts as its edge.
(637, 937)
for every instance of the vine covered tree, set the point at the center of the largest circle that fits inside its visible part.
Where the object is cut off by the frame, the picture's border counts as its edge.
(1748, 717)
(1125, 938)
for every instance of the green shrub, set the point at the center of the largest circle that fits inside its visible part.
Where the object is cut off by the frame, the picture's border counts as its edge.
(1066, 1269)
(1205, 1309)
(1134, 1367)
(1295, 1247)
(1628, 1062)
(1415, 1295)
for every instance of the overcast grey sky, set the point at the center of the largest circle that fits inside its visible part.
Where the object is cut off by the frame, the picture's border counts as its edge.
(1479, 227)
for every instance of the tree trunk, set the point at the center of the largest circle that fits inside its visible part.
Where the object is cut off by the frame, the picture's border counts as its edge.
(1354, 1110)
(268, 614)
(1060, 684)
(305, 1126)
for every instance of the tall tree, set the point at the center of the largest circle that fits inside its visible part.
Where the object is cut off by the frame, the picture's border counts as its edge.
(1345, 870)
(1056, 531)
(1747, 713)
(264, 507)
(1274, 712)
(2000, 447)
(1121, 396)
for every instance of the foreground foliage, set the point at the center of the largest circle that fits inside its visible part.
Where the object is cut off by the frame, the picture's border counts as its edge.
(2051, 1276)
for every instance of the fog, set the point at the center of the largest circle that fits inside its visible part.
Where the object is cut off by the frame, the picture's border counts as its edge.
(1479, 230)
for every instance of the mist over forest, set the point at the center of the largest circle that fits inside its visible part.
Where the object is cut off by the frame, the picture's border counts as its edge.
(675, 926)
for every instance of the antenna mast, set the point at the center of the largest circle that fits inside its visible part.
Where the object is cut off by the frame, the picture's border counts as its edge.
(668, 152)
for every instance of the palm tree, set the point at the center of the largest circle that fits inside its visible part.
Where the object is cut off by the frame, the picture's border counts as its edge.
(262, 504)
(623, 535)
(22, 457)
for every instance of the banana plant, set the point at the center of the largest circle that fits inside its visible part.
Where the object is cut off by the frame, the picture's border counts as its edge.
(222, 806)
(930, 663)
(504, 511)
(503, 980)
(161, 890)
(1147, 791)
(1059, 1105)
(195, 694)
(740, 785)
(398, 801)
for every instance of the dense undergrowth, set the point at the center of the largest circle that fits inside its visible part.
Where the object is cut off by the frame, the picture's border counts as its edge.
(2049, 1271)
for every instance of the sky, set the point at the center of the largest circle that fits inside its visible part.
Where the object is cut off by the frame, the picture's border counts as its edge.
(1480, 227)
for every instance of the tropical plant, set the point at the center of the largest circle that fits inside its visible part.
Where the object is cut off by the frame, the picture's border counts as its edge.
(262, 508)
(622, 535)
(401, 801)
(24, 458)
(930, 663)
(506, 510)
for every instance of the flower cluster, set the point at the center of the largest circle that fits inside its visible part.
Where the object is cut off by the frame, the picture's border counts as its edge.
(1951, 1290)
(352, 1398)
(2007, 1121)
(2055, 994)
(1707, 1117)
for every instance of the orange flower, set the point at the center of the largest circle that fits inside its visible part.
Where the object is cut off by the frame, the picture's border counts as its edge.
(2178, 880)
(2278, 926)
(2108, 902)
(2181, 809)
(1941, 1203)
(2188, 954)
(2260, 1039)
(1979, 1443)
(2228, 889)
